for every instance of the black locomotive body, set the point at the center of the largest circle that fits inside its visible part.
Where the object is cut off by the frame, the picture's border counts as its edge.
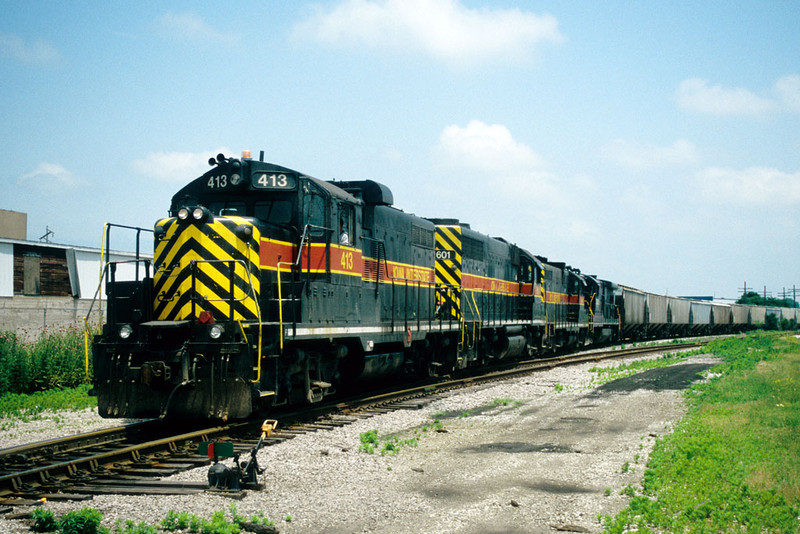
(271, 287)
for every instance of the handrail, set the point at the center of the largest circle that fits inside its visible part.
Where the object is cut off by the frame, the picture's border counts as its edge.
(304, 241)
(105, 245)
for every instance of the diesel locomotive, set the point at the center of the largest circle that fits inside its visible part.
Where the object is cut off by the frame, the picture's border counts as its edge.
(268, 287)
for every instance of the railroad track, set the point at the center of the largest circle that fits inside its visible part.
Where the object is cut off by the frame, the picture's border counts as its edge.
(136, 458)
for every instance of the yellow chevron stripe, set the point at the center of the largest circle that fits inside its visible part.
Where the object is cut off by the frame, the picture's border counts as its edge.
(193, 239)
(444, 278)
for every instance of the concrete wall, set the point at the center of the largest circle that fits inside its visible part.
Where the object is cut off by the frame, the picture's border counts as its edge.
(29, 316)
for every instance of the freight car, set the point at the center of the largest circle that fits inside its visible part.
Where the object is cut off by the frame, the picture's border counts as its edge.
(268, 287)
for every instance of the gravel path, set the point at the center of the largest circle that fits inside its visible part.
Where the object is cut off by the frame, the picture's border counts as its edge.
(555, 454)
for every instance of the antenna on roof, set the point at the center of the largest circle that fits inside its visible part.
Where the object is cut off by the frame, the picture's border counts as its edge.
(46, 236)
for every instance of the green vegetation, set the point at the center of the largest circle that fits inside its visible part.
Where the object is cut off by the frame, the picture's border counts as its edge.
(754, 299)
(87, 521)
(26, 407)
(391, 444)
(43, 520)
(48, 374)
(56, 360)
(83, 521)
(732, 464)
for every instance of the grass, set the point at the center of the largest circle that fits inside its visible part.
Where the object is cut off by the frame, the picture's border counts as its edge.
(733, 463)
(26, 407)
(87, 521)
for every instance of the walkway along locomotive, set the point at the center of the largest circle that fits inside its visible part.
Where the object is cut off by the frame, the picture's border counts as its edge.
(269, 287)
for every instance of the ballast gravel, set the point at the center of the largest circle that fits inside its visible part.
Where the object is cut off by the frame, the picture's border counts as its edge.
(549, 452)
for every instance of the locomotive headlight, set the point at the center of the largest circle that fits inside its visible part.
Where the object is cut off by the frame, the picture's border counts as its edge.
(125, 331)
(183, 214)
(216, 331)
(198, 214)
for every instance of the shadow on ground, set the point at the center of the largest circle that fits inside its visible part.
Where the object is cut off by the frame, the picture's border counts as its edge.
(674, 377)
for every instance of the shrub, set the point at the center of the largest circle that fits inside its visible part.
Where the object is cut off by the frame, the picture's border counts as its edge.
(83, 521)
(55, 360)
(43, 520)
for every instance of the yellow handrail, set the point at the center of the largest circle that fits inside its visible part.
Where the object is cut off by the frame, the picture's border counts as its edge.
(280, 301)
(86, 344)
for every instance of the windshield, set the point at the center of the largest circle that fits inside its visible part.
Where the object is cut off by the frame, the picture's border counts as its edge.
(273, 211)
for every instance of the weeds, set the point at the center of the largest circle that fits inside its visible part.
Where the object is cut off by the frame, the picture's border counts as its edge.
(506, 402)
(83, 521)
(87, 521)
(56, 360)
(43, 520)
(731, 464)
(391, 445)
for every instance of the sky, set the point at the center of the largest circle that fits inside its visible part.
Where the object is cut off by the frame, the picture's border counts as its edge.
(654, 144)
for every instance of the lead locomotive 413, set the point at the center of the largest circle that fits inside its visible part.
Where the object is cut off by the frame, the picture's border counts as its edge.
(269, 287)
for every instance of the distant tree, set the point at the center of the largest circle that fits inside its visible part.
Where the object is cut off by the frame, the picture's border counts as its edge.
(754, 299)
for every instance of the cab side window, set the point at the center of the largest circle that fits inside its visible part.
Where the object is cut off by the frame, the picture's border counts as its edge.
(314, 210)
(346, 225)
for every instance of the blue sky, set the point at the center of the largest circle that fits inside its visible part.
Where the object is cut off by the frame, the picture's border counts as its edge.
(656, 144)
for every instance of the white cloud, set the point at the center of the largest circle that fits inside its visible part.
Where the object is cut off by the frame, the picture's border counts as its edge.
(489, 147)
(37, 52)
(489, 155)
(640, 157)
(751, 186)
(788, 90)
(191, 27)
(696, 94)
(176, 166)
(443, 29)
(49, 178)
